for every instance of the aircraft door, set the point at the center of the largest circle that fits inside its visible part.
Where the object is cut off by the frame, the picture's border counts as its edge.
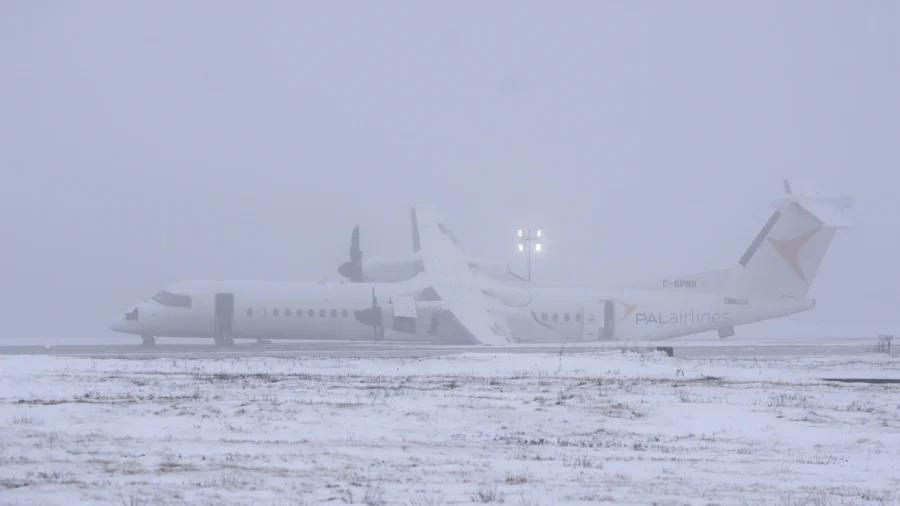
(593, 315)
(224, 315)
(609, 327)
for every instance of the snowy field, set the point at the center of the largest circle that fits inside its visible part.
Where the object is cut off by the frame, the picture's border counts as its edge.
(604, 427)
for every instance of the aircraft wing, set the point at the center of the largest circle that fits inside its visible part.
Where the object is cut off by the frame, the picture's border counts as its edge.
(452, 278)
(432, 235)
(475, 319)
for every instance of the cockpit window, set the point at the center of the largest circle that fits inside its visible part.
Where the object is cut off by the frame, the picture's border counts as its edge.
(172, 299)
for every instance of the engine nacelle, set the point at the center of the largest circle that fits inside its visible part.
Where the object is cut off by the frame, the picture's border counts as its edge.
(491, 270)
(407, 315)
(427, 319)
(506, 293)
(405, 267)
(403, 314)
(389, 269)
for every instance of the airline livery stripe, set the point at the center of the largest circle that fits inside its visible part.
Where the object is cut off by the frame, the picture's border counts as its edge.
(759, 239)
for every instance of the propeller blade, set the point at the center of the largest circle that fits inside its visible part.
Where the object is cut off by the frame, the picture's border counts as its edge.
(375, 307)
(355, 251)
(372, 317)
(353, 269)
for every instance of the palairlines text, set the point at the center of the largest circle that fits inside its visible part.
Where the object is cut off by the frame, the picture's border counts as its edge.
(691, 317)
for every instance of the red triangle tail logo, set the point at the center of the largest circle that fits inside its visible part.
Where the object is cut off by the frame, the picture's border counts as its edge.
(789, 249)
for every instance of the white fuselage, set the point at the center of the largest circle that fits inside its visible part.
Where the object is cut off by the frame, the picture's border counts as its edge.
(536, 313)
(593, 314)
(261, 310)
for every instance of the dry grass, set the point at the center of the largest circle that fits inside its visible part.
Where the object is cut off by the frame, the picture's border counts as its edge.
(316, 431)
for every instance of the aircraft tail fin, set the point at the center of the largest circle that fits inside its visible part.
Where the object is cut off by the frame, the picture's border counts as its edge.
(784, 258)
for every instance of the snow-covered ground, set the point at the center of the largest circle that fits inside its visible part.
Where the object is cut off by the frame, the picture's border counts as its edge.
(547, 429)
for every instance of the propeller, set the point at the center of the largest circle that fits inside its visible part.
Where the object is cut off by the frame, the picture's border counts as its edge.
(372, 316)
(352, 270)
(378, 329)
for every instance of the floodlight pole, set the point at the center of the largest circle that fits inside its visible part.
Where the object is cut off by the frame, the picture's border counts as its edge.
(528, 256)
(526, 240)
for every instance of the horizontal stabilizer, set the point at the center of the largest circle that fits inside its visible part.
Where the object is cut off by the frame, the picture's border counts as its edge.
(830, 211)
(828, 214)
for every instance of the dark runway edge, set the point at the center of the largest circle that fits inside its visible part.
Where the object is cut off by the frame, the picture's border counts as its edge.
(873, 381)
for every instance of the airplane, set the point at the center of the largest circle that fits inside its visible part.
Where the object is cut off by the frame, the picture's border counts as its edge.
(449, 299)
(396, 269)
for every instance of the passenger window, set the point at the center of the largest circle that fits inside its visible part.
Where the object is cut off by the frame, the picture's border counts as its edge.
(577, 317)
(334, 313)
(544, 317)
(566, 317)
(249, 311)
(262, 312)
(344, 313)
(556, 317)
(275, 312)
(321, 313)
(299, 312)
(311, 312)
(287, 312)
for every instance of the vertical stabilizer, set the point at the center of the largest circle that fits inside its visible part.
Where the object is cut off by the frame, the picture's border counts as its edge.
(784, 258)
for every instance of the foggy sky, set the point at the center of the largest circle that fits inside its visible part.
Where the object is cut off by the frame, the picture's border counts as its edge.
(144, 143)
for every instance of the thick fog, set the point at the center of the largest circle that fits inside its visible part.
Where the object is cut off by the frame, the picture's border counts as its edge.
(145, 143)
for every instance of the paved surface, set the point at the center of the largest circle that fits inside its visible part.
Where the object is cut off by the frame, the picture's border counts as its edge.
(202, 348)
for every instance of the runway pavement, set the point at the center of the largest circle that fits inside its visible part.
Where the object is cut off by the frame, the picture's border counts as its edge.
(108, 348)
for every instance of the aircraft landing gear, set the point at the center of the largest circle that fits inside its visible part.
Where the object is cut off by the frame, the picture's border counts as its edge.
(224, 341)
(148, 341)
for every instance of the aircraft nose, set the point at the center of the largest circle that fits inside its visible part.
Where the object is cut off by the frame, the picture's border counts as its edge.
(126, 323)
(117, 325)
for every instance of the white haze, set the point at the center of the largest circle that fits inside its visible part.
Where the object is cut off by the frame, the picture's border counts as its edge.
(143, 143)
